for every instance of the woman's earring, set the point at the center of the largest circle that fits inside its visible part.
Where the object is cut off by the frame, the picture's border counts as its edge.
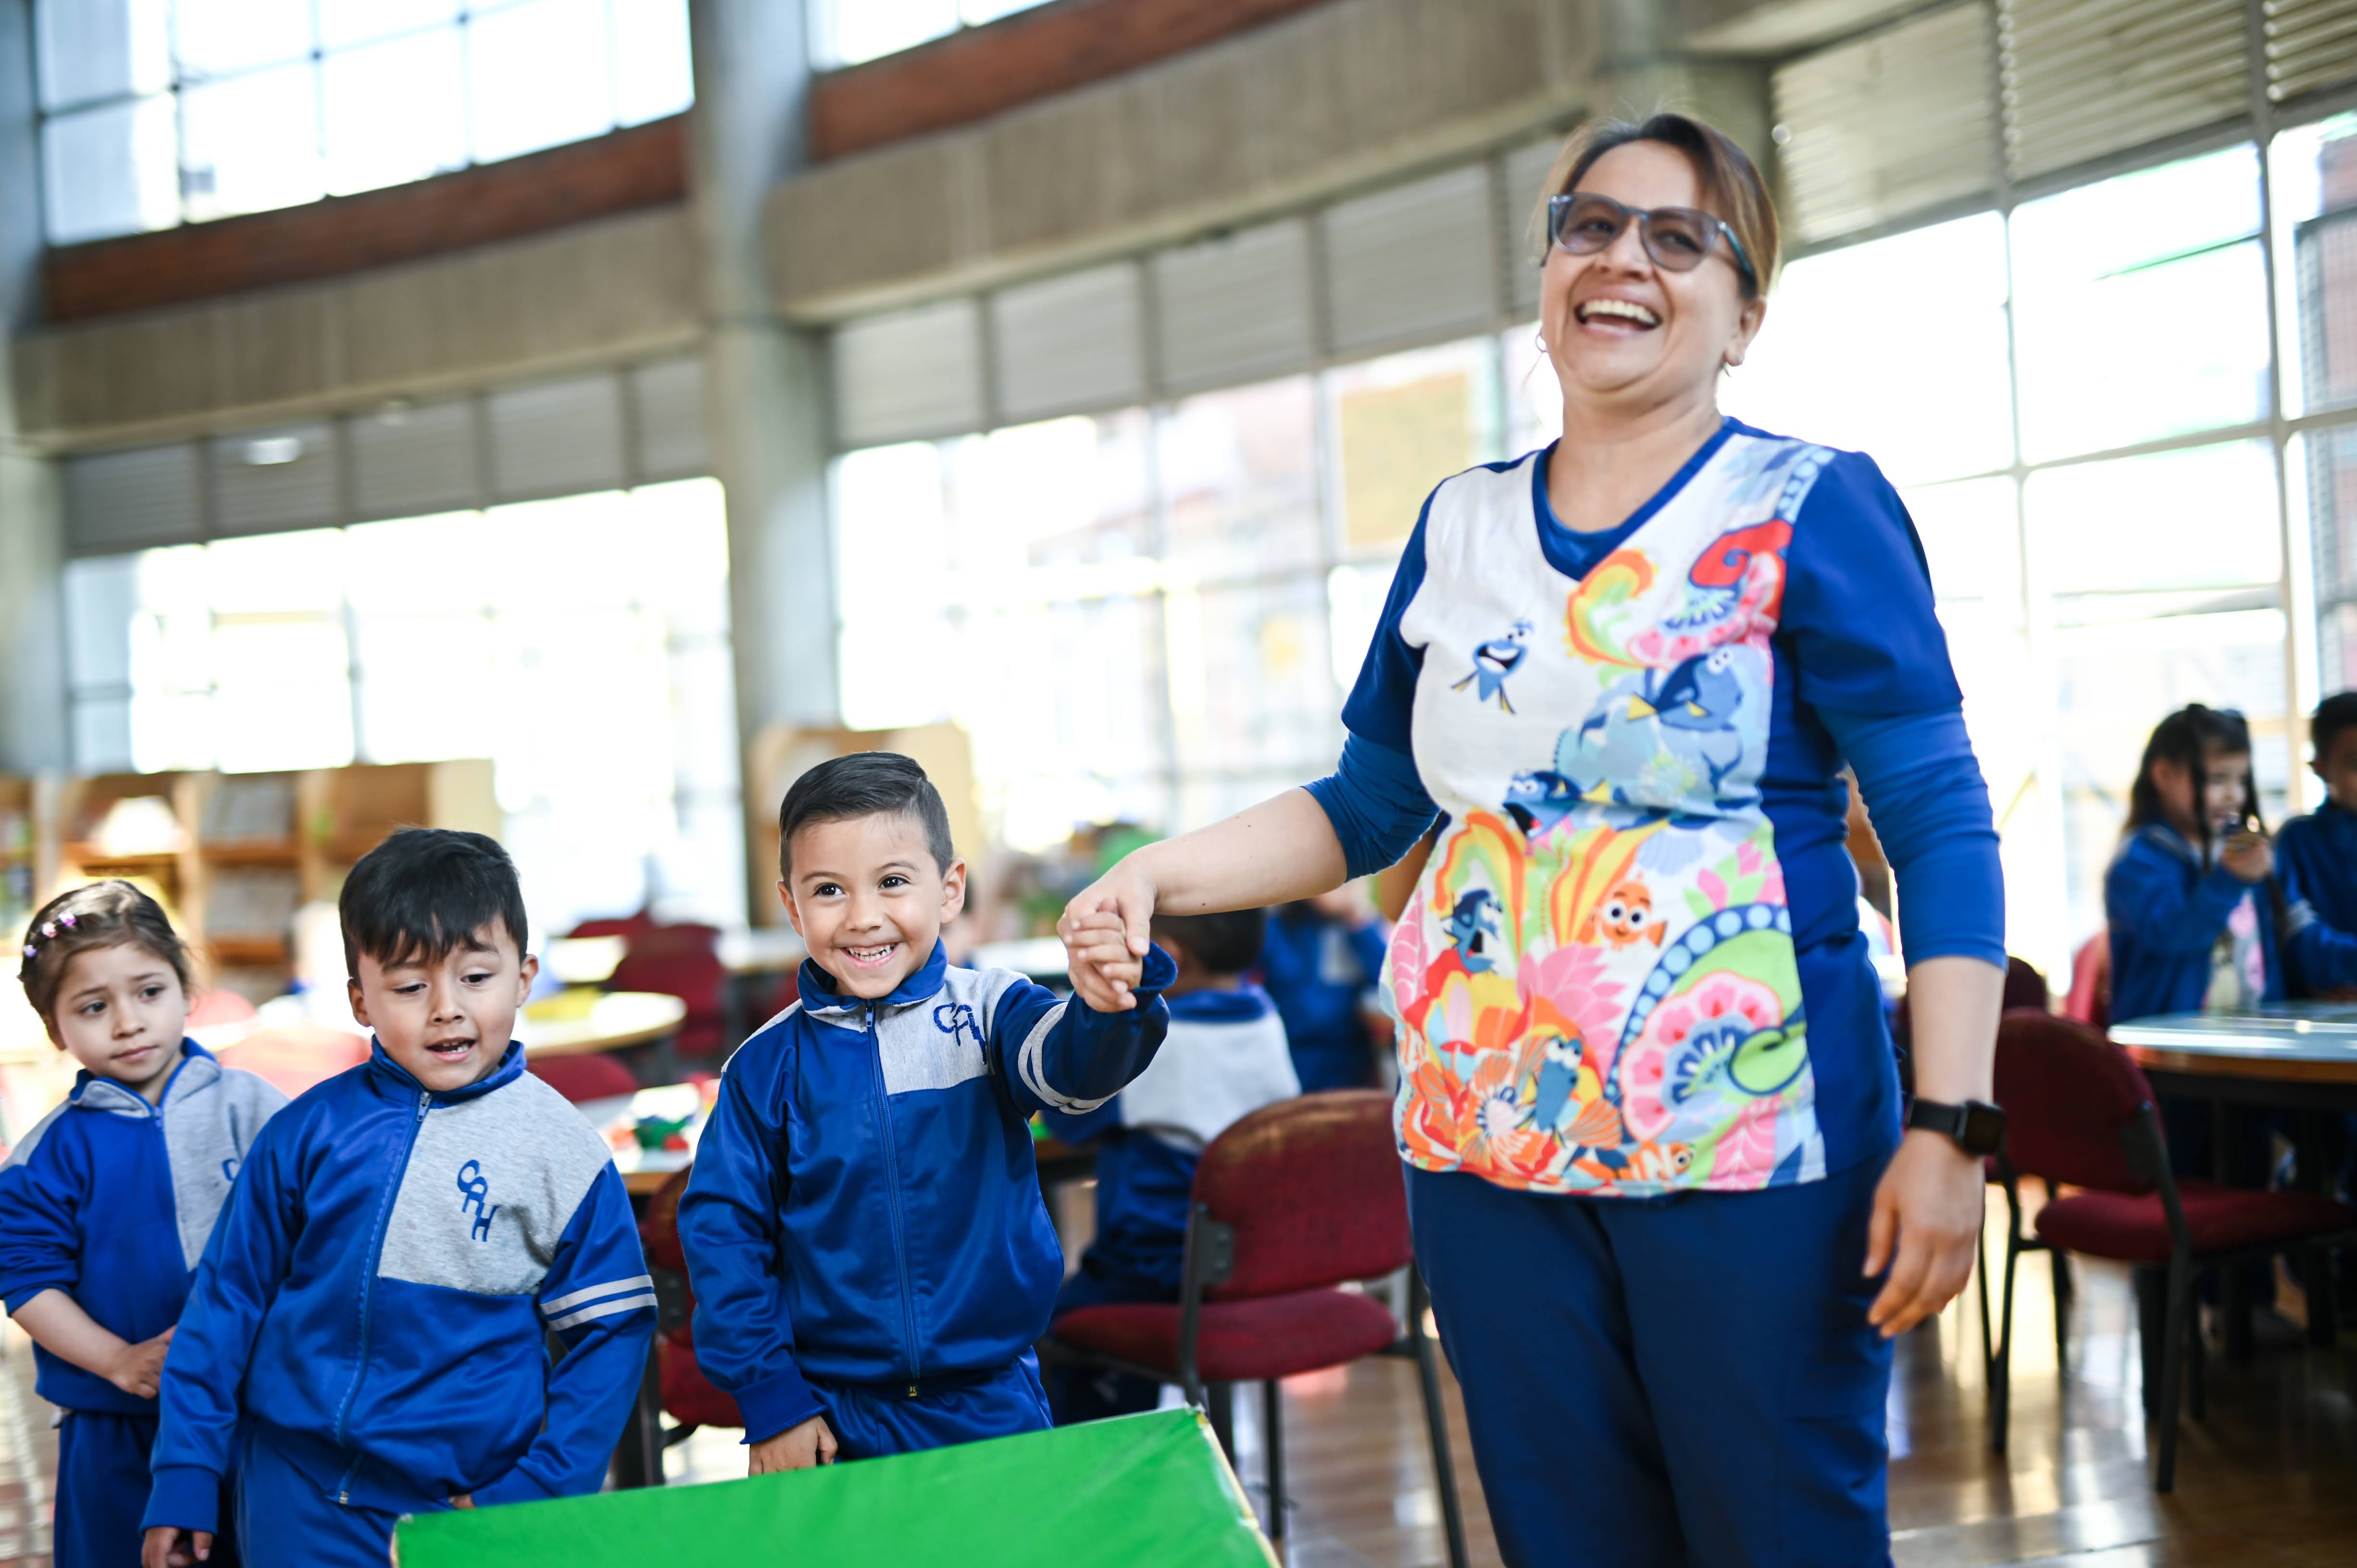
(1540, 338)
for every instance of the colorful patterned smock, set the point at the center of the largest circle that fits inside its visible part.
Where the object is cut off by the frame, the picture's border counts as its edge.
(1632, 965)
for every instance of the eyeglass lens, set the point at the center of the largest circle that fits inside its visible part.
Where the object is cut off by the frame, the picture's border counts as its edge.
(1677, 238)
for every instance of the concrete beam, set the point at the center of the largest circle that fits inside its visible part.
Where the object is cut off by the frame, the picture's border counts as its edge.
(597, 294)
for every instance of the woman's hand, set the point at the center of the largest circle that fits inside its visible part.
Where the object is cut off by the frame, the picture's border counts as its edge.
(168, 1546)
(1926, 1225)
(2248, 855)
(1106, 936)
(796, 1448)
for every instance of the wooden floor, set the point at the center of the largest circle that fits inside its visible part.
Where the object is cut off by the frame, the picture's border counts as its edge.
(2269, 1479)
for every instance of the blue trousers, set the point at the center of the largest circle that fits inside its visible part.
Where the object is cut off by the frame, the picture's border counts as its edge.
(285, 1520)
(1688, 1380)
(869, 1424)
(101, 1488)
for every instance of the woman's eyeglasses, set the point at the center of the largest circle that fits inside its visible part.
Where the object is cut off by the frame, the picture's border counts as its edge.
(1678, 238)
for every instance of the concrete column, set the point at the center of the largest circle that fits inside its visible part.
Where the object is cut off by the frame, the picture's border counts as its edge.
(765, 390)
(33, 719)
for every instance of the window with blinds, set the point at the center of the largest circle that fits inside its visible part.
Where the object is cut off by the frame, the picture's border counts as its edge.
(2085, 78)
(2312, 45)
(1069, 344)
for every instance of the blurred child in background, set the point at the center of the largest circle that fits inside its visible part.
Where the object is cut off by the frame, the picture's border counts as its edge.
(1224, 1057)
(106, 1204)
(2316, 855)
(1322, 958)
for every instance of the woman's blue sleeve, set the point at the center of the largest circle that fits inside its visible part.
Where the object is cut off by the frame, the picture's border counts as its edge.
(1930, 809)
(1377, 803)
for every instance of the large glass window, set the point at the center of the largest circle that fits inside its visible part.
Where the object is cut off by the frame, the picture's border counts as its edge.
(581, 644)
(158, 112)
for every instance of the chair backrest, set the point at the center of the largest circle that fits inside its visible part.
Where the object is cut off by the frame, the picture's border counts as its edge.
(1313, 1190)
(2025, 986)
(617, 925)
(296, 1058)
(2070, 1098)
(698, 979)
(659, 1232)
(585, 1077)
(2091, 982)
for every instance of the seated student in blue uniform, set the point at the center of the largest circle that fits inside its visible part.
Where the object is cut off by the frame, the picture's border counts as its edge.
(1226, 1056)
(368, 1334)
(2316, 855)
(1323, 958)
(106, 1204)
(864, 1235)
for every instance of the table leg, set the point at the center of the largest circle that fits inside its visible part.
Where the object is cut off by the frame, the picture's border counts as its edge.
(2152, 1311)
(2230, 1164)
(638, 1459)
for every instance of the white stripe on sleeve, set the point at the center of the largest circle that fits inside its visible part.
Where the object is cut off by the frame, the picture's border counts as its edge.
(575, 1298)
(603, 1309)
(1030, 1063)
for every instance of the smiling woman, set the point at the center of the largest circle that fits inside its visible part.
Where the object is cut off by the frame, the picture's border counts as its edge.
(1624, 671)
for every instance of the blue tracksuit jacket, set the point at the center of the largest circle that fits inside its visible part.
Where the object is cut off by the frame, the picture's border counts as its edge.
(865, 1209)
(375, 1297)
(2166, 912)
(1316, 970)
(2317, 857)
(111, 1200)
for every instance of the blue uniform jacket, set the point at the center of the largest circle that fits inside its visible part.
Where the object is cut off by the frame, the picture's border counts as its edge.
(2166, 912)
(1316, 970)
(2316, 855)
(864, 1208)
(376, 1297)
(111, 1200)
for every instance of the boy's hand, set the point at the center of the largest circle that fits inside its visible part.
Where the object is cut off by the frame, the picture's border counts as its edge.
(2248, 855)
(169, 1546)
(1102, 968)
(139, 1370)
(463, 1501)
(796, 1448)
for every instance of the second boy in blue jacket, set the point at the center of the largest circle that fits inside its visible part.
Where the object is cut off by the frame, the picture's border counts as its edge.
(371, 1318)
(871, 1256)
(2317, 853)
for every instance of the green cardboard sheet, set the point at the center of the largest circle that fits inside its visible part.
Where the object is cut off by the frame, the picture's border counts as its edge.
(1111, 1494)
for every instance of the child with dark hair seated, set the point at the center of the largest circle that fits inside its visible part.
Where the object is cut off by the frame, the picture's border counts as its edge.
(2316, 855)
(368, 1334)
(1225, 1056)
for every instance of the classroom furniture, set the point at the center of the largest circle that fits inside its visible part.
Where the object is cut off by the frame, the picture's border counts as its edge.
(1035, 958)
(2091, 982)
(652, 1132)
(585, 1077)
(578, 1023)
(583, 960)
(1150, 1488)
(750, 950)
(1290, 1204)
(2295, 1057)
(2079, 1111)
(685, 1393)
(297, 1057)
(681, 961)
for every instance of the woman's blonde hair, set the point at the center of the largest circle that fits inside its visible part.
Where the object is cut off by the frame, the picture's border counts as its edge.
(1731, 187)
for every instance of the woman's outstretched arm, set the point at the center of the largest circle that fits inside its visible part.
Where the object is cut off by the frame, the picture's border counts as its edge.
(1279, 851)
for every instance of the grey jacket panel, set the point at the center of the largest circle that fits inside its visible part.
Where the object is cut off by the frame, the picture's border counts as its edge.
(491, 1186)
(24, 1149)
(211, 1114)
(940, 1042)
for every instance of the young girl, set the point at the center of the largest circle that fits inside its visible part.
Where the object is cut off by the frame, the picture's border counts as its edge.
(2199, 920)
(106, 1204)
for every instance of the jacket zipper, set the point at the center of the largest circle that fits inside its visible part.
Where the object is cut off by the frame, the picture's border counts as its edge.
(368, 1286)
(892, 1191)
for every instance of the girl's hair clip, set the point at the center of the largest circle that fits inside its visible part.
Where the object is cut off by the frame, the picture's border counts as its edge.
(48, 929)
(66, 919)
(32, 951)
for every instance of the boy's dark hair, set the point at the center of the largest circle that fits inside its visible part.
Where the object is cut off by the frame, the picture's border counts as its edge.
(426, 891)
(2335, 713)
(95, 915)
(1225, 944)
(865, 784)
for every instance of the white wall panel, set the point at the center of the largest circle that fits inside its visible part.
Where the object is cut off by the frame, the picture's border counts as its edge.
(1234, 310)
(127, 501)
(908, 375)
(1069, 344)
(556, 437)
(1416, 264)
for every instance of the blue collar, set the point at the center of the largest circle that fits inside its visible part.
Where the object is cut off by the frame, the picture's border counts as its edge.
(1241, 1005)
(392, 1079)
(820, 994)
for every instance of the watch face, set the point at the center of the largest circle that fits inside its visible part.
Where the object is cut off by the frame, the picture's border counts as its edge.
(1984, 1129)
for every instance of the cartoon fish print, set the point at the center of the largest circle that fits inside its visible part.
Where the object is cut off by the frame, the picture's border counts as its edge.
(1538, 800)
(1623, 917)
(1474, 918)
(1493, 661)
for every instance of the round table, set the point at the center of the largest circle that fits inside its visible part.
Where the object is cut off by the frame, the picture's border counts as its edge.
(613, 1020)
(760, 949)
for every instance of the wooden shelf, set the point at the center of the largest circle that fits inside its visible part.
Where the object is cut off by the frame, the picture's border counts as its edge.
(242, 951)
(86, 854)
(252, 851)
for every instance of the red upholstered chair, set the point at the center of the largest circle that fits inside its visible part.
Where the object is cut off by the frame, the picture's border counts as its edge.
(688, 1397)
(682, 961)
(294, 1059)
(2079, 1111)
(622, 926)
(1291, 1202)
(585, 1077)
(2091, 982)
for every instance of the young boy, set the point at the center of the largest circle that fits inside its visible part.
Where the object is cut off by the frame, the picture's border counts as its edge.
(369, 1321)
(864, 1236)
(1226, 1056)
(2316, 855)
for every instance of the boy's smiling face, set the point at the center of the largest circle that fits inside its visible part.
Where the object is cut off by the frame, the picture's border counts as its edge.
(447, 1020)
(867, 895)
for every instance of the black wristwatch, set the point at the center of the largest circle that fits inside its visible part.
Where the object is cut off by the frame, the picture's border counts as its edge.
(1978, 1127)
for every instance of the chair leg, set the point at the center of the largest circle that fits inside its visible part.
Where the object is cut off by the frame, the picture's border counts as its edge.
(2061, 1262)
(2172, 1369)
(1220, 1404)
(2001, 1384)
(2197, 1368)
(2063, 1280)
(1980, 1284)
(1272, 1420)
(2152, 1311)
(1435, 1421)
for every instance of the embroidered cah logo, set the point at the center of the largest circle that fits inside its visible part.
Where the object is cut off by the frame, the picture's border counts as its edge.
(473, 1187)
(956, 1018)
